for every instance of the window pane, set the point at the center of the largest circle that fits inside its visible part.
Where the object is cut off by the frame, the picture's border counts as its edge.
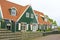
(27, 14)
(13, 12)
(32, 16)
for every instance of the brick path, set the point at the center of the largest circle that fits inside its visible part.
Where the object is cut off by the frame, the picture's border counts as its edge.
(49, 37)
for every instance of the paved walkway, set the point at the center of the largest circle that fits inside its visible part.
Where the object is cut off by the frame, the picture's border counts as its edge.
(49, 37)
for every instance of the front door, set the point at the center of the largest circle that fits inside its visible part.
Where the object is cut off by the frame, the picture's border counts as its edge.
(8, 26)
(35, 27)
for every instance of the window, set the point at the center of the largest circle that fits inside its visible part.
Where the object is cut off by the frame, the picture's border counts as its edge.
(43, 18)
(13, 11)
(36, 16)
(23, 24)
(27, 14)
(46, 19)
(32, 16)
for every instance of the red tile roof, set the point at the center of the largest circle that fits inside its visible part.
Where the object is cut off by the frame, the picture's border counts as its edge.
(37, 12)
(40, 20)
(6, 5)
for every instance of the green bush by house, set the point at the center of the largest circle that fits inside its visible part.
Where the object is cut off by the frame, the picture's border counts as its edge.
(58, 28)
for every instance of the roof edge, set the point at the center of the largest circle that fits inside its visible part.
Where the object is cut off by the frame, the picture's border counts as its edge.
(1, 11)
(23, 13)
(35, 16)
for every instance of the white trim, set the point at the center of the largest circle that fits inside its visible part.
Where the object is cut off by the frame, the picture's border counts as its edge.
(32, 16)
(8, 24)
(31, 27)
(19, 26)
(35, 16)
(41, 15)
(13, 7)
(27, 27)
(35, 26)
(1, 11)
(22, 13)
(27, 14)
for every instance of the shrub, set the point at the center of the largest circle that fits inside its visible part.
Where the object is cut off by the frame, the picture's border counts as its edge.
(49, 29)
(58, 28)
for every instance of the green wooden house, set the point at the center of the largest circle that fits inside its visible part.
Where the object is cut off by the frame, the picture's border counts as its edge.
(15, 17)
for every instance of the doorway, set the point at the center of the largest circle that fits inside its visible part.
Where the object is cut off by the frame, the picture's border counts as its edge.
(35, 27)
(8, 26)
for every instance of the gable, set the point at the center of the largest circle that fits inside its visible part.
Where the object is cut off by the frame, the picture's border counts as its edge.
(5, 9)
(31, 18)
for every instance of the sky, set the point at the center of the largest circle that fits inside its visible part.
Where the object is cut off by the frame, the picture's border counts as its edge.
(48, 7)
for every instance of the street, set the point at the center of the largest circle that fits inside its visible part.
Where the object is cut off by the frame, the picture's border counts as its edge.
(49, 37)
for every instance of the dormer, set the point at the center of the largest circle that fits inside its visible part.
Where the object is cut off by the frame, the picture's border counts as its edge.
(13, 11)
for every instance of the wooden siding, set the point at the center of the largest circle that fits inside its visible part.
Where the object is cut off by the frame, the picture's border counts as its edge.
(28, 20)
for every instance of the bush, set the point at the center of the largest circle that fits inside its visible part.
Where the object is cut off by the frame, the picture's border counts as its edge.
(49, 29)
(58, 28)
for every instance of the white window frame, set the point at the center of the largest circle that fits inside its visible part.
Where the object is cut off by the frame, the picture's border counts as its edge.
(27, 14)
(27, 26)
(32, 16)
(13, 11)
(9, 24)
(31, 27)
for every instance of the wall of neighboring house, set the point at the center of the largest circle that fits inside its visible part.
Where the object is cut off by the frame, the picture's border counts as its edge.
(28, 20)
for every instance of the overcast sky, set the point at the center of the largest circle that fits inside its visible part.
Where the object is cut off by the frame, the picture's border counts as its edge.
(48, 7)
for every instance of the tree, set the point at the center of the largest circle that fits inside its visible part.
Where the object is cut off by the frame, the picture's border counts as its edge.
(51, 20)
(55, 23)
